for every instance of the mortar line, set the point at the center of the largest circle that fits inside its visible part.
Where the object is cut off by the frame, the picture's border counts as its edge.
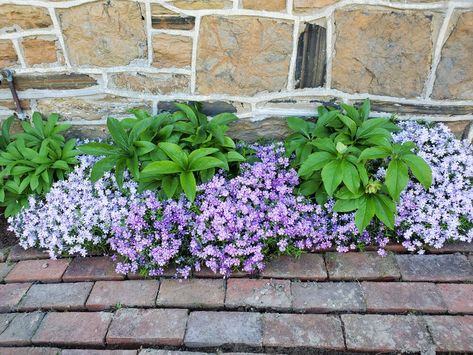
(59, 35)
(293, 61)
(19, 52)
(330, 48)
(195, 41)
(149, 33)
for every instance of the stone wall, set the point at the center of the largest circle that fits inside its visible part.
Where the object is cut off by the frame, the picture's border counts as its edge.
(91, 59)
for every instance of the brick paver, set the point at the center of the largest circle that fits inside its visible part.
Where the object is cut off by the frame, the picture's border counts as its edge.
(258, 293)
(21, 329)
(302, 330)
(451, 333)
(4, 254)
(17, 253)
(132, 327)
(5, 319)
(73, 329)
(30, 351)
(11, 295)
(192, 293)
(305, 267)
(322, 297)
(445, 268)
(173, 352)
(460, 247)
(100, 268)
(457, 297)
(372, 332)
(38, 270)
(63, 296)
(131, 293)
(401, 297)
(98, 352)
(215, 329)
(361, 266)
(5, 268)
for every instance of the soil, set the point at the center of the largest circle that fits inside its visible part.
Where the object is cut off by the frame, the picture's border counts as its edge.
(6, 238)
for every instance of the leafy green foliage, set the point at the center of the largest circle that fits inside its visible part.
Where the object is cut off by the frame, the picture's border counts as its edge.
(339, 155)
(170, 151)
(31, 161)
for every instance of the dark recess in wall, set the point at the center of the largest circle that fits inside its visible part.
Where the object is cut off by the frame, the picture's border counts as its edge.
(311, 57)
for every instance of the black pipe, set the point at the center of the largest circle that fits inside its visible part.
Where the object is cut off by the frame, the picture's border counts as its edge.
(8, 75)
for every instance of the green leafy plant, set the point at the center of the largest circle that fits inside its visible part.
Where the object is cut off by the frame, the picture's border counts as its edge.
(338, 157)
(146, 145)
(33, 160)
(178, 173)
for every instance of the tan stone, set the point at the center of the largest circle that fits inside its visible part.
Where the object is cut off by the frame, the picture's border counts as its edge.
(8, 55)
(251, 131)
(40, 50)
(52, 81)
(307, 6)
(243, 55)
(455, 71)
(382, 52)
(172, 51)
(202, 4)
(104, 33)
(459, 128)
(268, 5)
(90, 108)
(161, 83)
(18, 17)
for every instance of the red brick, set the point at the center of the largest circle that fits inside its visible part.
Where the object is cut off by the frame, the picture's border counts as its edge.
(310, 331)
(207, 273)
(305, 267)
(321, 297)
(457, 297)
(258, 293)
(135, 327)
(11, 294)
(131, 293)
(98, 352)
(29, 351)
(192, 293)
(92, 269)
(5, 268)
(38, 270)
(361, 266)
(215, 329)
(17, 253)
(62, 296)
(168, 272)
(401, 297)
(451, 333)
(172, 352)
(73, 329)
(384, 333)
(21, 329)
(444, 268)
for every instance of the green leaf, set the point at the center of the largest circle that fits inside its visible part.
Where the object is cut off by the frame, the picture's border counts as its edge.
(233, 156)
(352, 113)
(385, 209)
(188, 112)
(176, 153)
(370, 125)
(97, 149)
(419, 168)
(188, 184)
(365, 110)
(298, 124)
(61, 164)
(169, 185)
(325, 144)
(347, 121)
(120, 172)
(118, 133)
(332, 176)
(314, 162)
(396, 178)
(346, 205)
(224, 118)
(202, 152)
(163, 167)
(205, 163)
(101, 167)
(350, 178)
(365, 213)
(374, 153)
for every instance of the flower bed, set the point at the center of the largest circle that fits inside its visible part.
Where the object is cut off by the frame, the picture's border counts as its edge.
(238, 221)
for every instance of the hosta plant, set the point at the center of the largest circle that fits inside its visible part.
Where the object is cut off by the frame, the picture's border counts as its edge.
(338, 157)
(33, 160)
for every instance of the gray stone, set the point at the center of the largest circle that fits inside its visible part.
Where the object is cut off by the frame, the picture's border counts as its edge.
(5, 319)
(215, 329)
(62, 296)
(21, 329)
(448, 267)
(5, 269)
(327, 297)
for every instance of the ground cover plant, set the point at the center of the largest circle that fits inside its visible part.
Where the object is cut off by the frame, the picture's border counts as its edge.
(173, 189)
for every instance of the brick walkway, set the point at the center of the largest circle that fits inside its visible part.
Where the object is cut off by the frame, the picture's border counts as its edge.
(356, 302)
